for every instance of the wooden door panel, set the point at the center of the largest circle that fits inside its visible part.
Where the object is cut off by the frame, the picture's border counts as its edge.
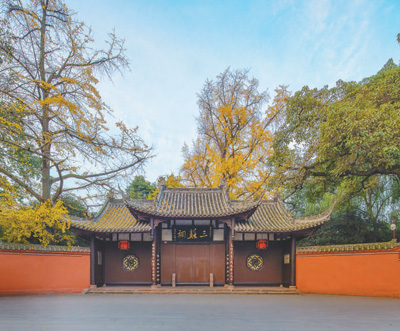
(201, 264)
(184, 263)
(167, 263)
(218, 263)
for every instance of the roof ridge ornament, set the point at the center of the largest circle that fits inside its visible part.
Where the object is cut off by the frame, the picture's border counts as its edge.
(276, 196)
(161, 182)
(259, 198)
(161, 185)
(223, 186)
(111, 195)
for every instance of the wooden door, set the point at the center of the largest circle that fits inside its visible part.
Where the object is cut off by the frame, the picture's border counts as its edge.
(192, 264)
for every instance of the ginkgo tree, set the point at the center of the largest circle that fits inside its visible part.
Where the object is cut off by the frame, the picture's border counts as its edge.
(43, 223)
(169, 180)
(54, 135)
(233, 135)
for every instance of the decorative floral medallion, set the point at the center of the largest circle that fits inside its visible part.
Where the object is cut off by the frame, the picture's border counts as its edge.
(255, 262)
(130, 262)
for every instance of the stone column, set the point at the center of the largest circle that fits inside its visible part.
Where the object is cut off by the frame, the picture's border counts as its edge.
(231, 261)
(153, 254)
(231, 251)
(154, 262)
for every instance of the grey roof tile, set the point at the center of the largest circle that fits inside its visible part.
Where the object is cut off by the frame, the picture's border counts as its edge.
(114, 217)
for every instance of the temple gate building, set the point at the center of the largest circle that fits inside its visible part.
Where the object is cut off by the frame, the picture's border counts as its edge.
(194, 236)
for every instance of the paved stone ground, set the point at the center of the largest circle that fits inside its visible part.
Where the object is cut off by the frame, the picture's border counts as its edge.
(198, 312)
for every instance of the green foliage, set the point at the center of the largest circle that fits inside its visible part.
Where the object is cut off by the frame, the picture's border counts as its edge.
(357, 218)
(74, 206)
(140, 188)
(17, 157)
(350, 130)
(77, 208)
(349, 226)
(343, 144)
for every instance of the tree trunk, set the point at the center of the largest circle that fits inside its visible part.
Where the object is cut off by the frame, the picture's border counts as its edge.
(46, 143)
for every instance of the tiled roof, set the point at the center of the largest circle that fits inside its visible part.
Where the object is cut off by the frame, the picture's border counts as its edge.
(272, 216)
(113, 217)
(172, 202)
(129, 215)
(48, 248)
(349, 247)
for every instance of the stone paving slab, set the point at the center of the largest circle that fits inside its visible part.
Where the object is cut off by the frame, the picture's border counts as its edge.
(190, 290)
(198, 312)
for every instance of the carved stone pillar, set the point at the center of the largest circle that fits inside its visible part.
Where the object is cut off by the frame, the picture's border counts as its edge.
(154, 262)
(231, 256)
(153, 254)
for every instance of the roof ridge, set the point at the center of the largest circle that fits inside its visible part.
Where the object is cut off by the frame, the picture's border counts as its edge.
(195, 189)
(115, 201)
(48, 248)
(102, 210)
(349, 247)
(224, 191)
(159, 196)
(269, 201)
(261, 201)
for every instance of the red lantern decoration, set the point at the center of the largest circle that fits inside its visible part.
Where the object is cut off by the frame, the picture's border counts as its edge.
(124, 244)
(262, 244)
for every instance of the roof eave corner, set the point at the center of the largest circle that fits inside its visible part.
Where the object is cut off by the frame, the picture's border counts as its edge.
(320, 219)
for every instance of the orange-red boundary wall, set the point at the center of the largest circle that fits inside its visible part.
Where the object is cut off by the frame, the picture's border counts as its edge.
(24, 272)
(367, 273)
(364, 272)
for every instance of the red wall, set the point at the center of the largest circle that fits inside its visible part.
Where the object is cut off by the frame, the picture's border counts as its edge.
(367, 273)
(34, 272)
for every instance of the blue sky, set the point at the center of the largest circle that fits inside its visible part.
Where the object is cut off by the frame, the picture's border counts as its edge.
(174, 46)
